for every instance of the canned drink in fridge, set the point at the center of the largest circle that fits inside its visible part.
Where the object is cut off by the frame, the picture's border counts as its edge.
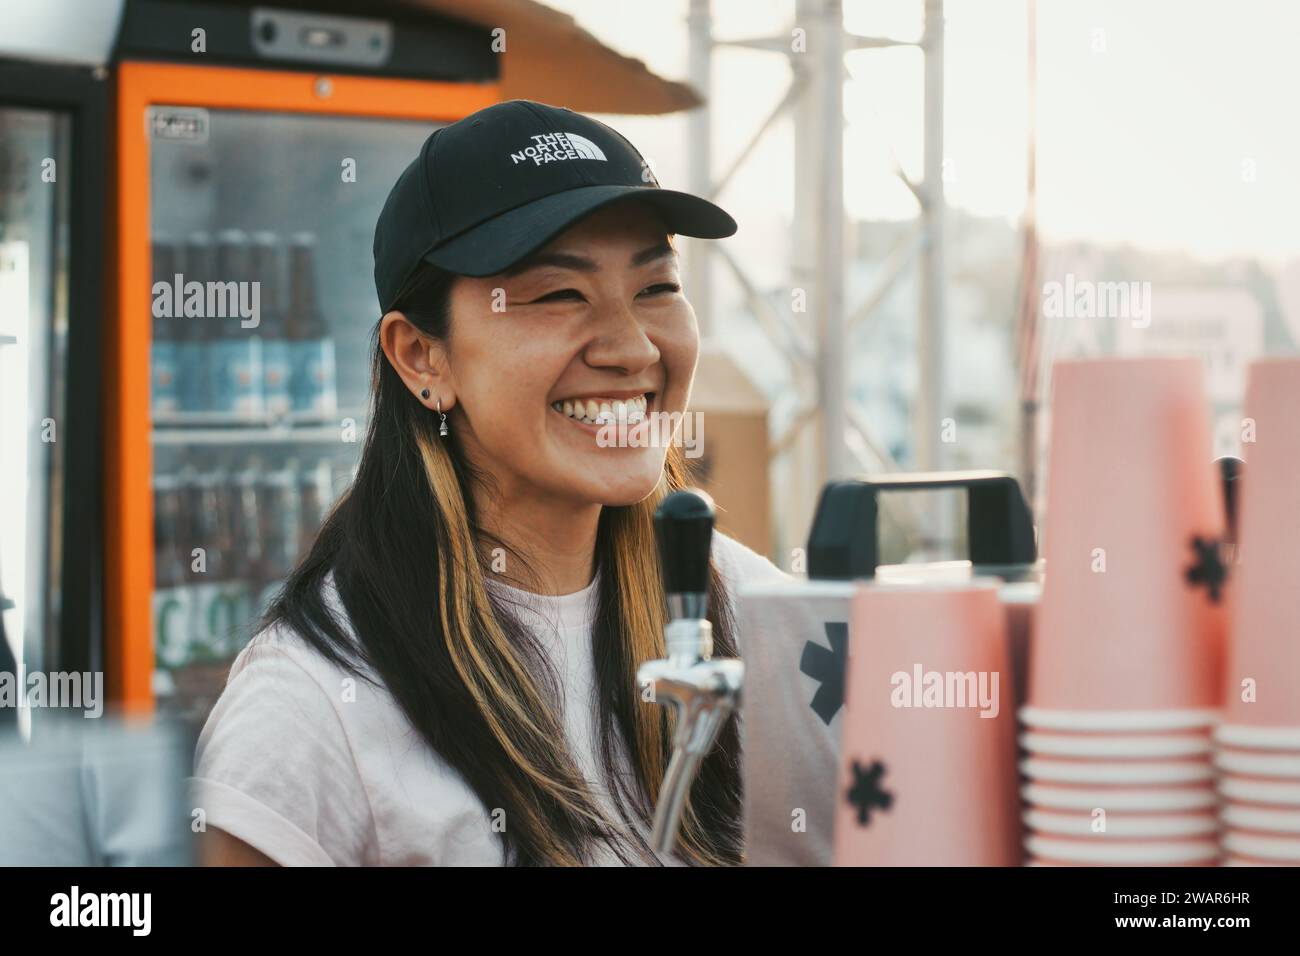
(173, 626)
(226, 618)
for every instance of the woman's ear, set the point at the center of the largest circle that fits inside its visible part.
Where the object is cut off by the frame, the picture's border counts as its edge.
(420, 361)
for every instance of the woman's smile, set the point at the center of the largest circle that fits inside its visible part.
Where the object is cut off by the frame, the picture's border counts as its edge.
(595, 413)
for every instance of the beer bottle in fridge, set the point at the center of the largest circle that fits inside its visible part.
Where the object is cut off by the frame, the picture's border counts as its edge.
(234, 603)
(269, 265)
(278, 510)
(164, 397)
(316, 495)
(192, 560)
(249, 556)
(236, 352)
(311, 347)
(192, 333)
(209, 569)
(171, 603)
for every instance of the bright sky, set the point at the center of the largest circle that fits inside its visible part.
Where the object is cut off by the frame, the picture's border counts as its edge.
(1167, 124)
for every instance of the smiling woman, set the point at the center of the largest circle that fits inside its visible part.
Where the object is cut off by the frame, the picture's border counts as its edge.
(586, 325)
(449, 676)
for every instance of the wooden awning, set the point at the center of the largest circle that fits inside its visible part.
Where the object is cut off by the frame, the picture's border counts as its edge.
(551, 59)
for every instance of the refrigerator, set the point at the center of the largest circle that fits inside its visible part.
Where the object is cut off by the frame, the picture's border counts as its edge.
(248, 181)
(53, 137)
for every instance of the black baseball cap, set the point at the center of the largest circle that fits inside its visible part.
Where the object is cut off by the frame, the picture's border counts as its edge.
(494, 187)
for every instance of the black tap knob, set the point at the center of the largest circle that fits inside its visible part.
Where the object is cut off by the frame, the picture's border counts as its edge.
(684, 523)
(1230, 471)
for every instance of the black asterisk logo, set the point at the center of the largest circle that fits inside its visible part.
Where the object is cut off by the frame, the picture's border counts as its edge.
(827, 668)
(866, 793)
(1208, 570)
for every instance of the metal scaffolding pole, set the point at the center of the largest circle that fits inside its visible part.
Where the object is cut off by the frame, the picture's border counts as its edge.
(828, 134)
(699, 258)
(807, 455)
(1028, 326)
(806, 458)
(930, 408)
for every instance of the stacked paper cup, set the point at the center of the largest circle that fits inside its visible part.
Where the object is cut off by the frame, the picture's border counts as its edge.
(1258, 744)
(927, 762)
(1125, 680)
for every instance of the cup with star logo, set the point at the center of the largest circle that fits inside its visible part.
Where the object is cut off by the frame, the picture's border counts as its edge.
(927, 763)
(1128, 635)
(1257, 747)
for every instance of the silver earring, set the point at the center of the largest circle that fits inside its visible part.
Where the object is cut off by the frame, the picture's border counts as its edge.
(442, 426)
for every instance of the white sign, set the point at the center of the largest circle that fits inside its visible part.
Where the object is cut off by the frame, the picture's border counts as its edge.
(1223, 324)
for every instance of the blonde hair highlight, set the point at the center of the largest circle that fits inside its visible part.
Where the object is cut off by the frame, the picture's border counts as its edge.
(508, 697)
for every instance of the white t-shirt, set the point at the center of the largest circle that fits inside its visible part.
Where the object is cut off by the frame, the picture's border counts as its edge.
(313, 766)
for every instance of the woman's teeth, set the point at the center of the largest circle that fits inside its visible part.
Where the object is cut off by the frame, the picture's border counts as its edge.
(603, 411)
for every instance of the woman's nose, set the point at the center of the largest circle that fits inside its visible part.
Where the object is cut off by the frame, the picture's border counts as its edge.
(621, 342)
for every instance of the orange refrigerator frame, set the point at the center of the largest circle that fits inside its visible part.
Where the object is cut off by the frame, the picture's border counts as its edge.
(129, 540)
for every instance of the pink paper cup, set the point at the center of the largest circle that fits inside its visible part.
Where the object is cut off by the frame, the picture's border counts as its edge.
(1242, 816)
(1117, 746)
(1261, 846)
(1258, 764)
(1036, 861)
(1121, 826)
(1258, 738)
(1240, 789)
(1264, 654)
(1132, 613)
(1244, 861)
(927, 773)
(1117, 772)
(1120, 799)
(1185, 720)
(1125, 853)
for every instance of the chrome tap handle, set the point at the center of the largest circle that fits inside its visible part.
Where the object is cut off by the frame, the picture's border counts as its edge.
(704, 696)
(703, 692)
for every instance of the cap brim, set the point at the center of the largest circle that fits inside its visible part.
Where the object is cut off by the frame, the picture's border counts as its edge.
(494, 246)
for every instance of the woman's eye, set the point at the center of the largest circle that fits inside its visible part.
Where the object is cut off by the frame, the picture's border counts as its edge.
(572, 294)
(663, 287)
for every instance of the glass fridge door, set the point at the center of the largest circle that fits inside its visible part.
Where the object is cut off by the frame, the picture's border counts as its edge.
(34, 227)
(263, 306)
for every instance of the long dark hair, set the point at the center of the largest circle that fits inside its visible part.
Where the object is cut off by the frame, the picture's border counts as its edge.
(407, 555)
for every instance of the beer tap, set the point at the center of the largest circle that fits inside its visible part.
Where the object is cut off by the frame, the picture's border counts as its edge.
(703, 691)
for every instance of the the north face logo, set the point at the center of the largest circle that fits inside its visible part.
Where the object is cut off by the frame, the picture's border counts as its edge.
(553, 147)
